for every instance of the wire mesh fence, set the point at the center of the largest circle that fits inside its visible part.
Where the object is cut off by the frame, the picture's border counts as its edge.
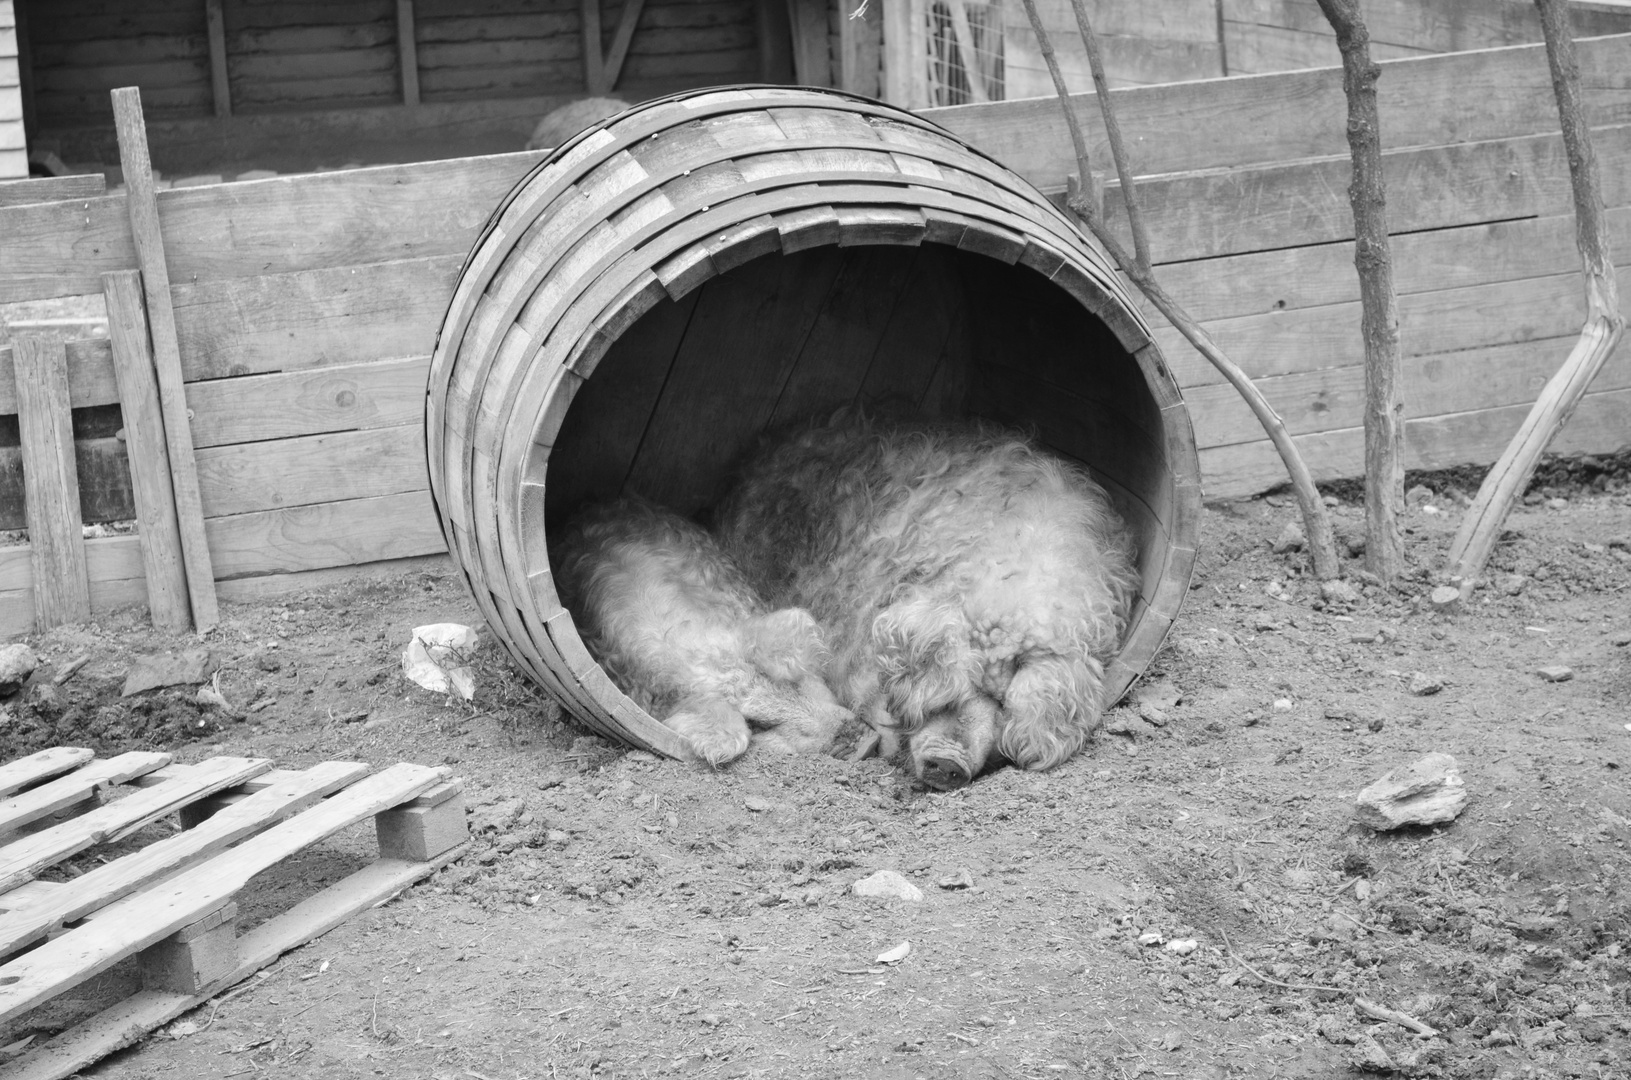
(965, 54)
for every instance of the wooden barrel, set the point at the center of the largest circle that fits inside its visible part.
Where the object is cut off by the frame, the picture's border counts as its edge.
(699, 269)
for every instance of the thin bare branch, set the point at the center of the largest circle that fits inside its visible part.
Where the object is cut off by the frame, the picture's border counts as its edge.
(1316, 522)
(1112, 128)
(1601, 332)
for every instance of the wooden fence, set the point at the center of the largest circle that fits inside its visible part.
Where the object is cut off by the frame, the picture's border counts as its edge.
(1244, 189)
(305, 307)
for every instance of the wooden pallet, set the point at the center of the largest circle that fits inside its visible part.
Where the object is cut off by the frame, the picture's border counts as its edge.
(173, 902)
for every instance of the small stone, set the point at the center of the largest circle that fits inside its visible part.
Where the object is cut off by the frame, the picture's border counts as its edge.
(1513, 584)
(1291, 539)
(1445, 599)
(1557, 504)
(887, 885)
(1151, 715)
(150, 671)
(1620, 640)
(1338, 592)
(1367, 1055)
(1172, 1039)
(1181, 946)
(962, 878)
(1417, 495)
(1423, 793)
(1555, 673)
(1160, 692)
(1283, 705)
(1150, 937)
(1375, 725)
(17, 663)
(1353, 541)
(1424, 685)
(1265, 625)
(757, 804)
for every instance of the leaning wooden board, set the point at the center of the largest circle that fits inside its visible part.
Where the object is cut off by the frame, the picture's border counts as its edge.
(172, 902)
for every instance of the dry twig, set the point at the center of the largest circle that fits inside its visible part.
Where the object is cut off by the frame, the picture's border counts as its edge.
(1274, 982)
(1382, 1012)
(1140, 271)
(1604, 322)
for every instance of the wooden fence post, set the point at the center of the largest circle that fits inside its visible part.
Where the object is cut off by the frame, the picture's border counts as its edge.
(220, 85)
(149, 241)
(62, 592)
(408, 51)
(157, 530)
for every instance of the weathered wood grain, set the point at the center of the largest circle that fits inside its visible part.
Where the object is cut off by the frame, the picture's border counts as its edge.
(1332, 398)
(40, 765)
(284, 473)
(51, 484)
(257, 408)
(148, 451)
(325, 534)
(25, 857)
(288, 794)
(311, 318)
(1439, 442)
(1228, 212)
(1250, 120)
(76, 787)
(1442, 321)
(137, 921)
(49, 189)
(142, 206)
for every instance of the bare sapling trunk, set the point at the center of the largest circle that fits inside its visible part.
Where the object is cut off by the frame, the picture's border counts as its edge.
(1379, 303)
(1139, 270)
(1603, 326)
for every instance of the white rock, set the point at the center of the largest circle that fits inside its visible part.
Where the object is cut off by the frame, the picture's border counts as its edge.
(887, 885)
(1423, 793)
(1182, 946)
(1150, 937)
(895, 955)
(1283, 705)
(1445, 599)
(1555, 673)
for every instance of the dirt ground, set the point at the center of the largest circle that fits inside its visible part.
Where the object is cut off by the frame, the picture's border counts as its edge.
(618, 915)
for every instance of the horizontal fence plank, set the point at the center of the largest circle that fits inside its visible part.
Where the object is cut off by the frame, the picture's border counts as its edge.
(90, 375)
(47, 189)
(1597, 427)
(337, 219)
(1319, 274)
(247, 477)
(1228, 212)
(1286, 342)
(284, 224)
(347, 397)
(1254, 119)
(311, 318)
(63, 248)
(263, 586)
(324, 535)
(1334, 398)
(113, 565)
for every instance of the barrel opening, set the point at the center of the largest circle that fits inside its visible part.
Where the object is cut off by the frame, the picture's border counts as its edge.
(689, 386)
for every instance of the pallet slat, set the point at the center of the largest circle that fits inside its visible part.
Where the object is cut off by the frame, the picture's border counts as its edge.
(51, 484)
(16, 775)
(291, 793)
(24, 858)
(132, 924)
(76, 787)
